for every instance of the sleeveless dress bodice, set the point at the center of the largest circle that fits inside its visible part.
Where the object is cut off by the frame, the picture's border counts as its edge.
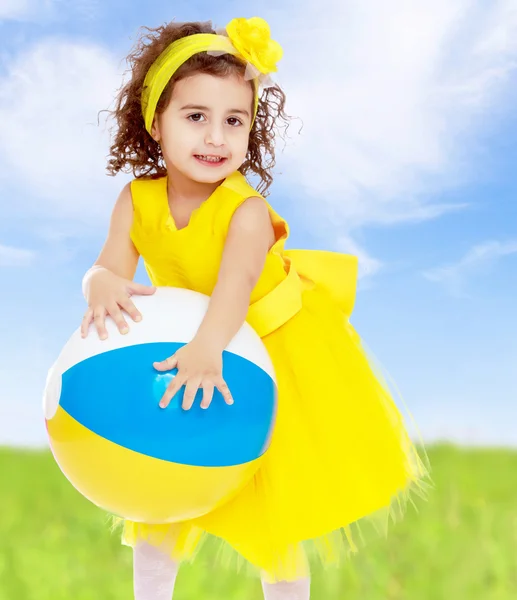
(190, 257)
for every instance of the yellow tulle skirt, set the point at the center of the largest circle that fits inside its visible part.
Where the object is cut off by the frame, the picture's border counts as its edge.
(341, 460)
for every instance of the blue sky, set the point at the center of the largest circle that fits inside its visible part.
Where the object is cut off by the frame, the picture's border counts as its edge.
(406, 158)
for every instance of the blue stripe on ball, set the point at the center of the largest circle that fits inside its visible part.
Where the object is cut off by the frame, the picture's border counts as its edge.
(116, 394)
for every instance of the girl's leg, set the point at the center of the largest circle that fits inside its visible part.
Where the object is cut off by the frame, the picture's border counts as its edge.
(154, 573)
(287, 590)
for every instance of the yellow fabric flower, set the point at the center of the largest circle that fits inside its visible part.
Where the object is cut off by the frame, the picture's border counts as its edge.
(252, 39)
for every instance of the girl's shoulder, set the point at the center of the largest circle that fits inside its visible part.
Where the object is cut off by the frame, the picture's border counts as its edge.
(235, 191)
(238, 185)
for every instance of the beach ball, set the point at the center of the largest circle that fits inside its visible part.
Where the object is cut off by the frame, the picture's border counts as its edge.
(130, 457)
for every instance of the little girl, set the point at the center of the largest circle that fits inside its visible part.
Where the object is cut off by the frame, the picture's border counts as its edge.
(197, 115)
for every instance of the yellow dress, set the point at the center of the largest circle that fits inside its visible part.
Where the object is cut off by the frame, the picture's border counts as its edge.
(340, 454)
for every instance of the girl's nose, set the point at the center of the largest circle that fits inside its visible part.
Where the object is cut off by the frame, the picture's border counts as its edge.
(215, 135)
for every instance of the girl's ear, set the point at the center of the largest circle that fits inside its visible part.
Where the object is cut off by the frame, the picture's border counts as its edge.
(155, 130)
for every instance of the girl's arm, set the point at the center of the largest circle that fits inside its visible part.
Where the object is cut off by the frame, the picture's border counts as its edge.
(250, 236)
(199, 362)
(118, 253)
(108, 285)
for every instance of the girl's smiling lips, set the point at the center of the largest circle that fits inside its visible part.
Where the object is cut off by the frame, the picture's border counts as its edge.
(210, 160)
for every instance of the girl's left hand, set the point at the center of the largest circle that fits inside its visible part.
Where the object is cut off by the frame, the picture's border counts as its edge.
(198, 366)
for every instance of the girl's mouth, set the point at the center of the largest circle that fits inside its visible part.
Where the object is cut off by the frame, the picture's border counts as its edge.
(210, 160)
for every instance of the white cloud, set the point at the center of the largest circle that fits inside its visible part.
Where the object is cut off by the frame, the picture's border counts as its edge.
(368, 266)
(50, 139)
(392, 95)
(48, 10)
(15, 257)
(14, 9)
(24, 10)
(478, 259)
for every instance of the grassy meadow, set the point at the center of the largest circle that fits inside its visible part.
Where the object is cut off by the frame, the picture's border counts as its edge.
(461, 545)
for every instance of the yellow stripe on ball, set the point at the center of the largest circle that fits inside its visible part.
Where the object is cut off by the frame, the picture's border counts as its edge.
(136, 486)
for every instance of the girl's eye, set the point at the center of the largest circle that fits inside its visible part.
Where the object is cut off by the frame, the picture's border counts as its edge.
(196, 118)
(195, 115)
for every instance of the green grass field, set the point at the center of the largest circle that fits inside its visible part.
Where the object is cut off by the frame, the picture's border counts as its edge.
(461, 545)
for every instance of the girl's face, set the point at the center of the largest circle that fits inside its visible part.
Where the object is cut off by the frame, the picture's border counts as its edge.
(208, 119)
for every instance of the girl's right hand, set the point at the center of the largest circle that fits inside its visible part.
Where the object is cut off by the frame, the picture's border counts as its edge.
(106, 294)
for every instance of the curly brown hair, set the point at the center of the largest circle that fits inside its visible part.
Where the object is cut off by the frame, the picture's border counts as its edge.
(134, 150)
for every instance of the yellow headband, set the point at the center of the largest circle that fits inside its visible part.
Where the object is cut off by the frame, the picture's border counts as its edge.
(248, 39)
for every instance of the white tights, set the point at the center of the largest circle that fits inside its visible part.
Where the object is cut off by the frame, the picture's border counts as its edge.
(154, 576)
(154, 573)
(287, 590)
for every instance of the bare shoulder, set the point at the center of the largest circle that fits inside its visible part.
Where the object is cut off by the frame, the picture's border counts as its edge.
(123, 209)
(125, 199)
(252, 216)
(253, 210)
(118, 252)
